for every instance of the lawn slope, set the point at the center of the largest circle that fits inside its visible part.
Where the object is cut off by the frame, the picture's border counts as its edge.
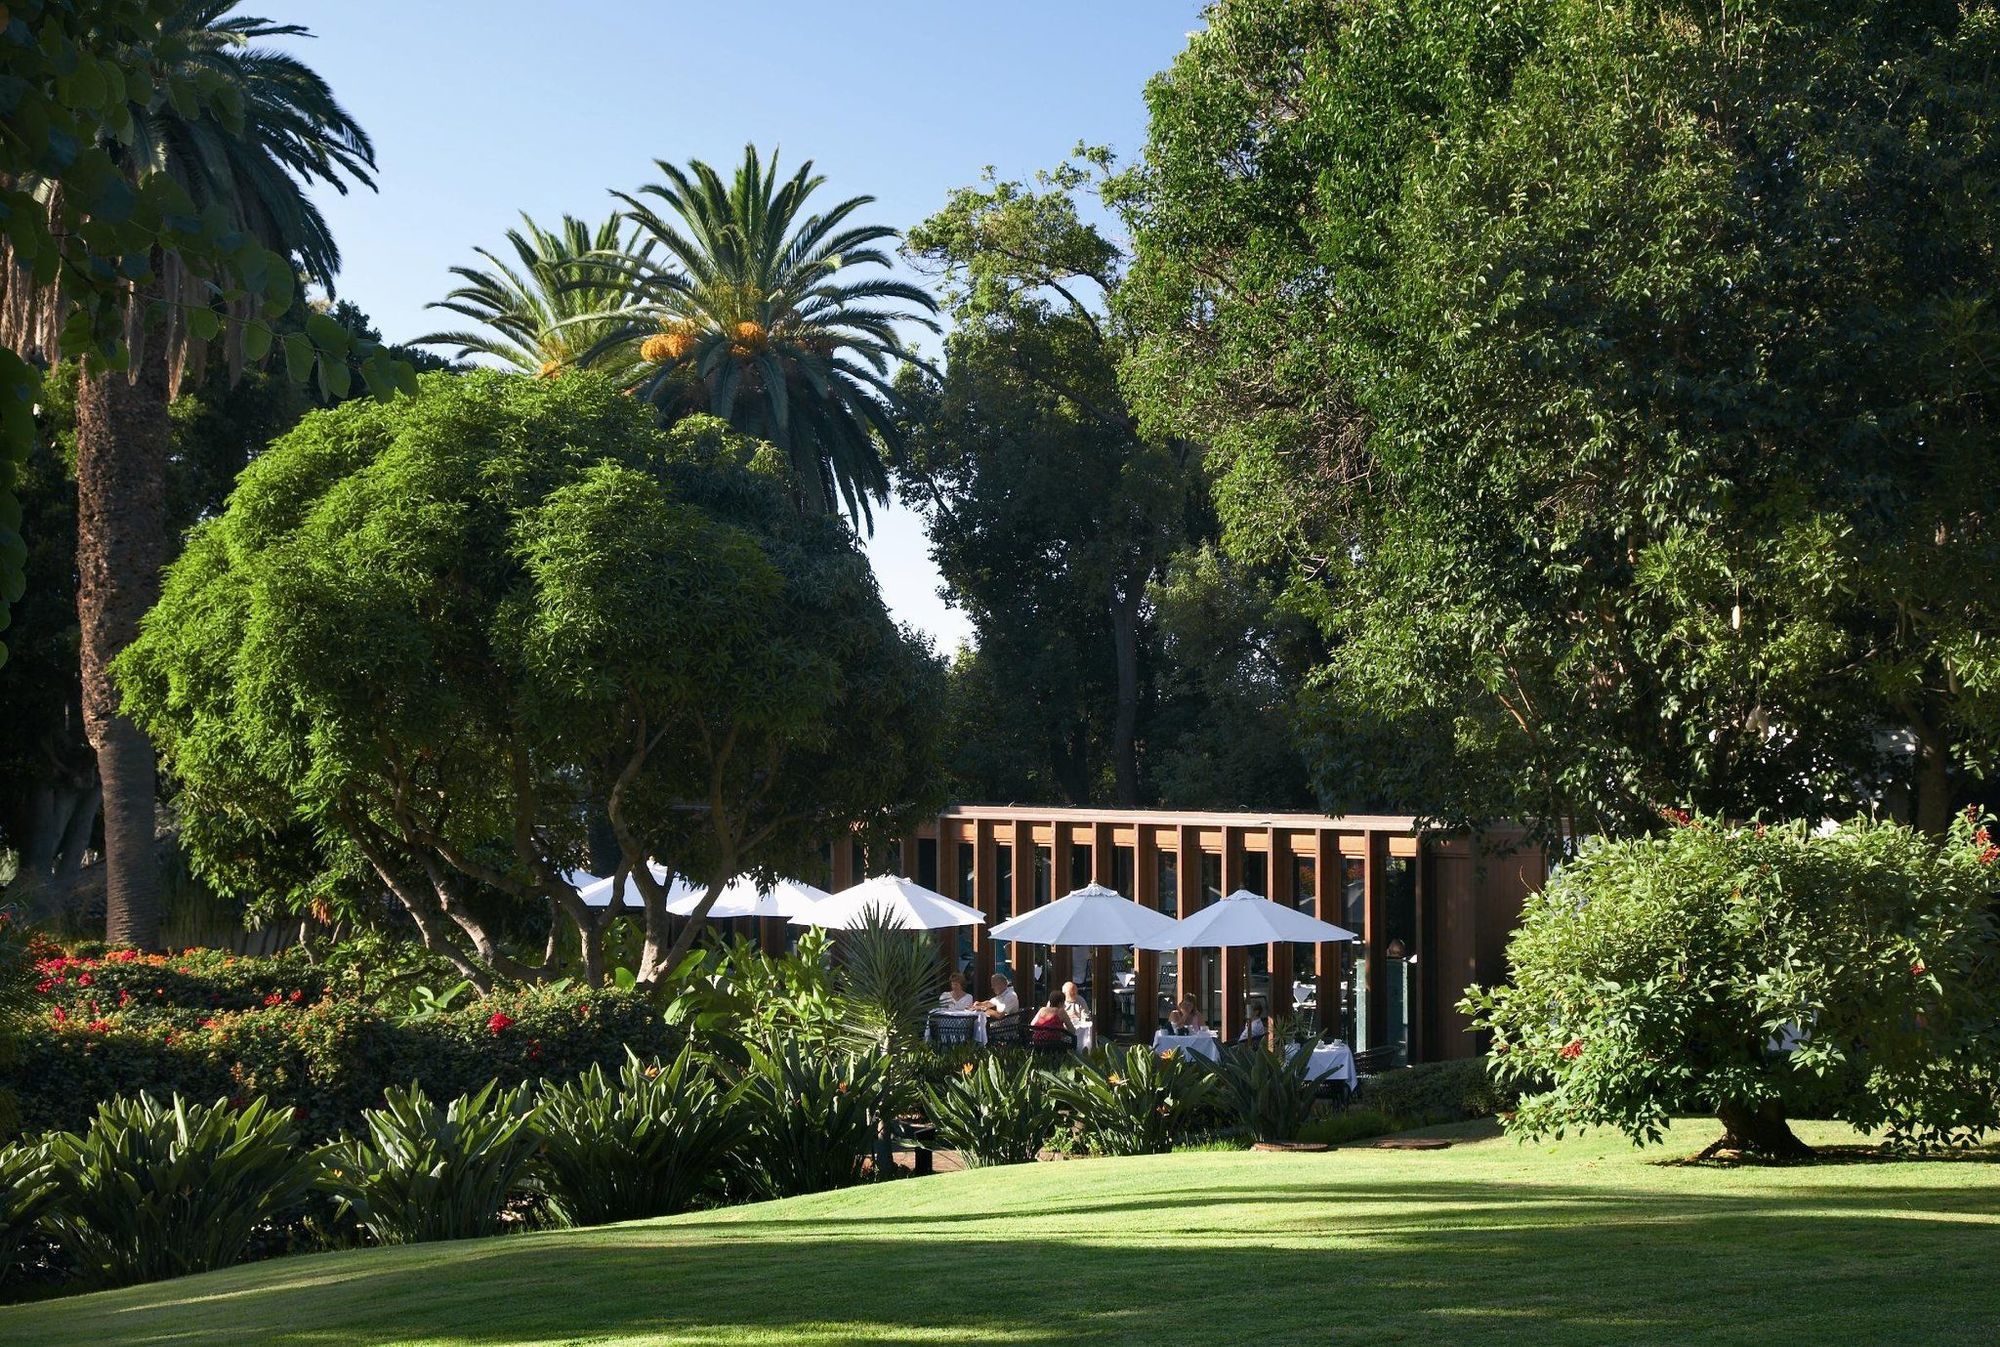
(1582, 1242)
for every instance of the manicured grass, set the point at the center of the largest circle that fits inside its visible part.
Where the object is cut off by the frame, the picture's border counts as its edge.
(1581, 1242)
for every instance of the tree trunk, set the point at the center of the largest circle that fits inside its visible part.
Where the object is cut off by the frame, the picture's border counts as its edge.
(121, 544)
(1125, 721)
(1759, 1130)
(1931, 805)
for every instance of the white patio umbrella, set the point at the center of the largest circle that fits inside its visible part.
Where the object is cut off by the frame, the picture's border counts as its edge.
(598, 893)
(1242, 918)
(908, 904)
(740, 898)
(1093, 915)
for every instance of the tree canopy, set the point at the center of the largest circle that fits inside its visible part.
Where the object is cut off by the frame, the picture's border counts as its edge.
(428, 639)
(1609, 382)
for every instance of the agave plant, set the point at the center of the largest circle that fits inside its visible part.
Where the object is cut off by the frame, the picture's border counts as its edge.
(426, 1172)
(1134, 1102)
(527, 312)
(994, 1113)
(769, 318)
(810, 1116)
(155, 1190)
(660, 1140)
(30, 1194)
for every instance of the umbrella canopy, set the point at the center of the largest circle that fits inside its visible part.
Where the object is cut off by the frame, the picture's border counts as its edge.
(1242, 918)
(598, 893)
(907, 904)
(740, 898)
(1093, 915)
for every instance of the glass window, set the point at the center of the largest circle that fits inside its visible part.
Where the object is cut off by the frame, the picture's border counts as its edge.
(1399, 953)
(1042, 865)
(1079, 868)
(1305, 955)
(860, 860)
(1257, 873)
(1211, 877)
(1003, 881)
(964, 895)
(1167, 868)
(1354, 916)
(927, 863)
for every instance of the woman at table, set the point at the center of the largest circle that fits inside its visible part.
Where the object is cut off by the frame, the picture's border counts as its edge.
(955, 997)
(1259, 1025)
(1191, 1017)
(1051, 1027)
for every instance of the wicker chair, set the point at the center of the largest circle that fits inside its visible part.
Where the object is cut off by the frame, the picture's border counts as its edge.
(950, 1030)
(1374, 1061)
(1052, 1041)
(1007, 1030)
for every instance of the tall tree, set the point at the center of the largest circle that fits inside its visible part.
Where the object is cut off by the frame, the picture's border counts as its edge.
(250, 171)
(428, 640)
(1050, 513)
(1609, 380)
(744, 307)
(527, 311)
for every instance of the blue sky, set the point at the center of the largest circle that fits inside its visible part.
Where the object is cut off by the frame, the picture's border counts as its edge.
(481, 109)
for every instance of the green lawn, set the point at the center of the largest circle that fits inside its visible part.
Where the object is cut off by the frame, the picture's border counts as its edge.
(1488, 1242)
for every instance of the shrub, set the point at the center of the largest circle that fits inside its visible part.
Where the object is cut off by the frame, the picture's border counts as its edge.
(1438, 1092)
(1349, 1125)
(1267, 1092)
(995, 1111)
(30, 1191)
(179, 989)
(329, 1059)
(151, 1190)
(810, 1118)
(1656, 975)
(1133, 1102)
(427, 1173)
(660, 1140)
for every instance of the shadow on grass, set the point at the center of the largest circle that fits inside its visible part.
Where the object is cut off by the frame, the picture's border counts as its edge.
(1354, 1262)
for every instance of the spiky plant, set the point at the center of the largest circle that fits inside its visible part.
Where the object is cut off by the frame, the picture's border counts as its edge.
(773, 319)
(527, 308)
(887, 978)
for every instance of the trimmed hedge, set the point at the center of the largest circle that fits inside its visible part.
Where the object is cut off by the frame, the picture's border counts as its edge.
(324, 1059)
(1436, 1092)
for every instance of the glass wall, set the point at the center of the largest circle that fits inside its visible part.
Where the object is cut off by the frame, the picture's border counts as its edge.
(1305, 988)
(1399, 953)
(966, 854)
(927, 863)
(1257, 958)
(1354, 916)
(1003, 906)
(1209, 961)
(1124, 983)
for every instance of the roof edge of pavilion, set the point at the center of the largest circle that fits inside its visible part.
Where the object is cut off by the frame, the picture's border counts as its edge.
(1217, 818)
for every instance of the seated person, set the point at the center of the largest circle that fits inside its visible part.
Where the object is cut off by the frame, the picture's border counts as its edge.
(955, 997)
(1191, 1015)
(1176, 1023)
(1003, 1001)
(1259, 1025)
(1051, 1027)
(1073, 1005)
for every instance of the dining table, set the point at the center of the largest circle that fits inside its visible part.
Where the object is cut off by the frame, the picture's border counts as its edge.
(1203, 1044)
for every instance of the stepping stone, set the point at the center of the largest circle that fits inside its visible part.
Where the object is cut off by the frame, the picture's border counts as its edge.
(1411, 1144)
(1290, 1146)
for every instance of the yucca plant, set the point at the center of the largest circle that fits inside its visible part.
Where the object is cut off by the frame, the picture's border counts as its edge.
(155, 1190)
(810, 1118)
(660, 1140)
(1134, 1102)
(1268, 1092)
(30, 1194)
(994, 1113)
(426, 1172)
(887, 978)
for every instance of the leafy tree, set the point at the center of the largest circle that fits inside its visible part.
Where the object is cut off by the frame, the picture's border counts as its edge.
(1663, 974)
(1605, 378)
(1050, 515)
(195, 124)
(428, 639)
(743, 308)
(526, 312)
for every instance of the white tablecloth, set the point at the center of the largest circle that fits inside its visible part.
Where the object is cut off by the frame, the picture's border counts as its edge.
(1330, 1061)
(1202, 1044)
(1086, 1036)
(978, 1022)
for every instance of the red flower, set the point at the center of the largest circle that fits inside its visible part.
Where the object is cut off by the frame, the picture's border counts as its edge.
(499, 1022)
(535, 1050)
(297, 996)
(59, 1015)
(275, 999)
(124, 997)
(83, 979)
(46, 985)
(1917, 969)
(99, 1026)
(1572, 1050)
(211, 1024)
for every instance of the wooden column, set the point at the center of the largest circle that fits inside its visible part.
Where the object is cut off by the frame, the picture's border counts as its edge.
(982, 898)
(1232, 960)
(1279, 877)
(1145, 962)
(1023, 955)
(1187, 873)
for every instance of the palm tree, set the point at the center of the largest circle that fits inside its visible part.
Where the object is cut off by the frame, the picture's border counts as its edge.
(756, 315)
(292, 132)
(528, 312)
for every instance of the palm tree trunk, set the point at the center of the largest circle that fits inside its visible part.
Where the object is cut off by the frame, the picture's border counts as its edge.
(121, 544)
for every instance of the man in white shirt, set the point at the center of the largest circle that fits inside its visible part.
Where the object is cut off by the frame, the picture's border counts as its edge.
(1003, 1002)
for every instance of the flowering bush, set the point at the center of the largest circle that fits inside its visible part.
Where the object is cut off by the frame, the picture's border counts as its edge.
(324, 1060)
(179, 989)
(1752, 972)
(1130, 1101)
